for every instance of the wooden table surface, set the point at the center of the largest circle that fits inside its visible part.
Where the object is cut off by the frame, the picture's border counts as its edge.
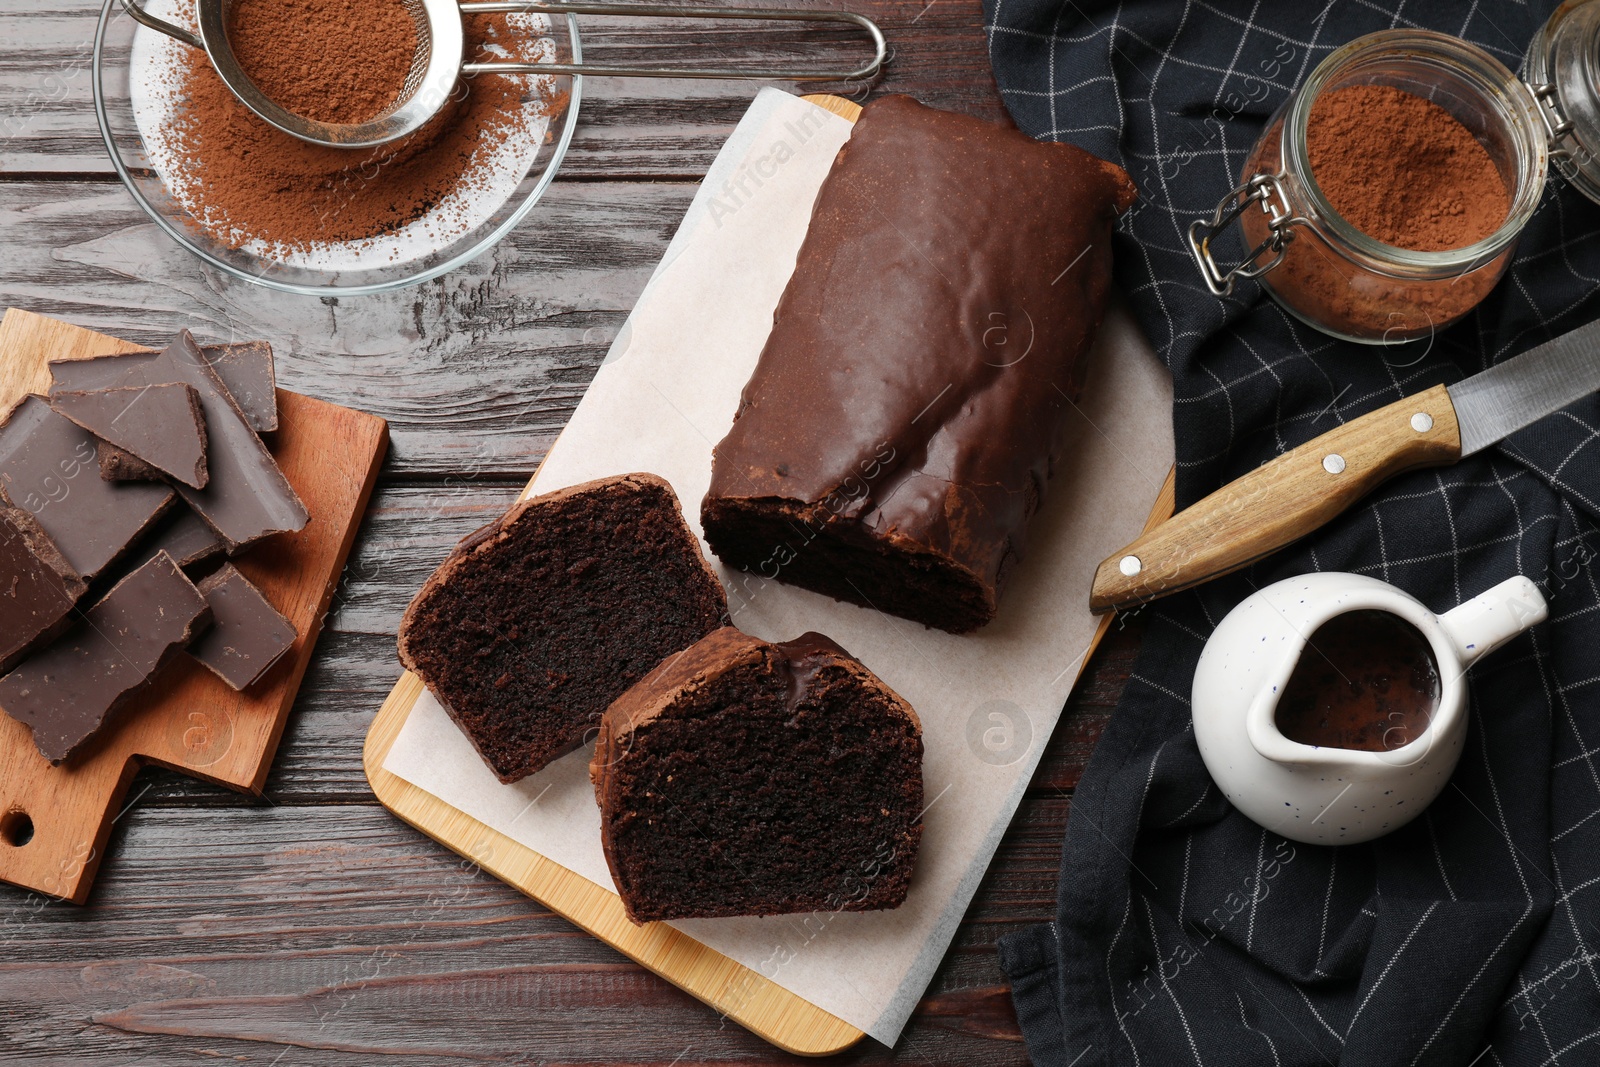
(310, 926)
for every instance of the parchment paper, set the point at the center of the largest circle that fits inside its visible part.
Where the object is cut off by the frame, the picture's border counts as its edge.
(664, 396)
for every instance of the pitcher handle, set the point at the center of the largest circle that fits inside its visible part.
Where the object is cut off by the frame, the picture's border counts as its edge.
(1492, 618)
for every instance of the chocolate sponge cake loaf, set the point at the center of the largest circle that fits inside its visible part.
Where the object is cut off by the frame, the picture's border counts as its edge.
(536, 622)
(906, 413)
(751, 778)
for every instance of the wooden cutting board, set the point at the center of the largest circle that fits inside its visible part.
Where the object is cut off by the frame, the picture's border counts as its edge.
(54, 821)
(734, 991)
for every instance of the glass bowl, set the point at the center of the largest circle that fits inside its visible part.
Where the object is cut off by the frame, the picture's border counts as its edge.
(114, 43)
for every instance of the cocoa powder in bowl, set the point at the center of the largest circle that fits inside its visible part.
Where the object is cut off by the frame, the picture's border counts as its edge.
(246, 184)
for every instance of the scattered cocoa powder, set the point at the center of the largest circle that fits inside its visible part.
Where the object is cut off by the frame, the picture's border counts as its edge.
(331, 60)
(245, 182)
(1403, 170)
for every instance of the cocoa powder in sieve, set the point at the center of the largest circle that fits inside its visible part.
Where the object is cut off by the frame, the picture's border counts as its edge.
(246, 182)
(1403, 170)
(330, 60)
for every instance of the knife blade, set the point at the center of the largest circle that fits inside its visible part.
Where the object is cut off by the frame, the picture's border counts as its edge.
(1301, 490)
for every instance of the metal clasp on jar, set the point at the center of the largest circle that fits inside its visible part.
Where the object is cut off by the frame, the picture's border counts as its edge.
(1558, 129)
(1266, 191)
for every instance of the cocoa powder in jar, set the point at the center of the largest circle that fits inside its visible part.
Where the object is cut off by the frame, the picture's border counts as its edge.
(1403, 170)
(1407, 173)
(246, 183)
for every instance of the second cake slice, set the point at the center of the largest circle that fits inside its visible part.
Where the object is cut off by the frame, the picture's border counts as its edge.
(539, 620)
(747, 777)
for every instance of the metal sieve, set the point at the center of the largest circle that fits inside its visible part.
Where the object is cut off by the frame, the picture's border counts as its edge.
(439, 61)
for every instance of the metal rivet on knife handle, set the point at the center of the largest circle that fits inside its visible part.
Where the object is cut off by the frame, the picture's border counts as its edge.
(1280, 501)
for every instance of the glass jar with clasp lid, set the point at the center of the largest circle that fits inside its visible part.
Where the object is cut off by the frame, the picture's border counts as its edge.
(1333, 276)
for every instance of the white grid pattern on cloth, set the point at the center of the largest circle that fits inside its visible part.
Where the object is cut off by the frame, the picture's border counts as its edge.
(1507, 863)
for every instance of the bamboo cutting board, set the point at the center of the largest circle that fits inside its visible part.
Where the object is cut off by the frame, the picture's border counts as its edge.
(54, 821)
(733, 990)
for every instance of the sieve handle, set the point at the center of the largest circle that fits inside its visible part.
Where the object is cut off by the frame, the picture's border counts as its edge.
(870, 28)
(144, 18)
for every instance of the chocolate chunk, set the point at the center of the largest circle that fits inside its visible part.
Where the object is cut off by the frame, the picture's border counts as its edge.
(247, 633)
(65, 692)
(185, 537)
(47, 468)
(117, 465)
(37, 587)
(161, 425)
(248, 497)
(246, 371)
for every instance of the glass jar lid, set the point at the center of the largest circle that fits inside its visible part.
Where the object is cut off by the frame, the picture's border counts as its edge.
(1563, 70)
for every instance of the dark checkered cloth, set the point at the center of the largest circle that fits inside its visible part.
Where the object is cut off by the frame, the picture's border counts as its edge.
(1472, 935)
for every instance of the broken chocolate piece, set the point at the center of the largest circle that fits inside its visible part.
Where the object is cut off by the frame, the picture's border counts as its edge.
(117, 465)
(160, 425)
(65, 692)
(47, 468)
(37, 587)
(248, 497)
(185, 537)
(247, 633)
(246, 371)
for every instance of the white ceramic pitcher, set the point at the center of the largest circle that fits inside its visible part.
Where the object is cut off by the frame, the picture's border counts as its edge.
(1324, 795)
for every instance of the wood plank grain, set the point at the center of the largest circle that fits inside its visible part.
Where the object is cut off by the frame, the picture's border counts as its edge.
(476, 372)
(337, 935)
(628, 127)
(39, 341)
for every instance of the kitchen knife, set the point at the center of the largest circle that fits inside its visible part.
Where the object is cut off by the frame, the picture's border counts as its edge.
(1290, 496)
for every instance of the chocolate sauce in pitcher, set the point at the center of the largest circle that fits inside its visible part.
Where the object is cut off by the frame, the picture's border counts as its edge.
(1366, 680)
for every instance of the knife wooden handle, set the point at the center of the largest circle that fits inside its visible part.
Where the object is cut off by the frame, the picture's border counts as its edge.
(1280, 501)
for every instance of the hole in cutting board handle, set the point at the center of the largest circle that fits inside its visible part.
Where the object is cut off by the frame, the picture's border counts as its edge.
(16, 828)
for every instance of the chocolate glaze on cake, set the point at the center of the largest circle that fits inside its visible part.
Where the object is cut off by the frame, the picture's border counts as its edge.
(749, 778)
(907, 410)
(539, 620)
